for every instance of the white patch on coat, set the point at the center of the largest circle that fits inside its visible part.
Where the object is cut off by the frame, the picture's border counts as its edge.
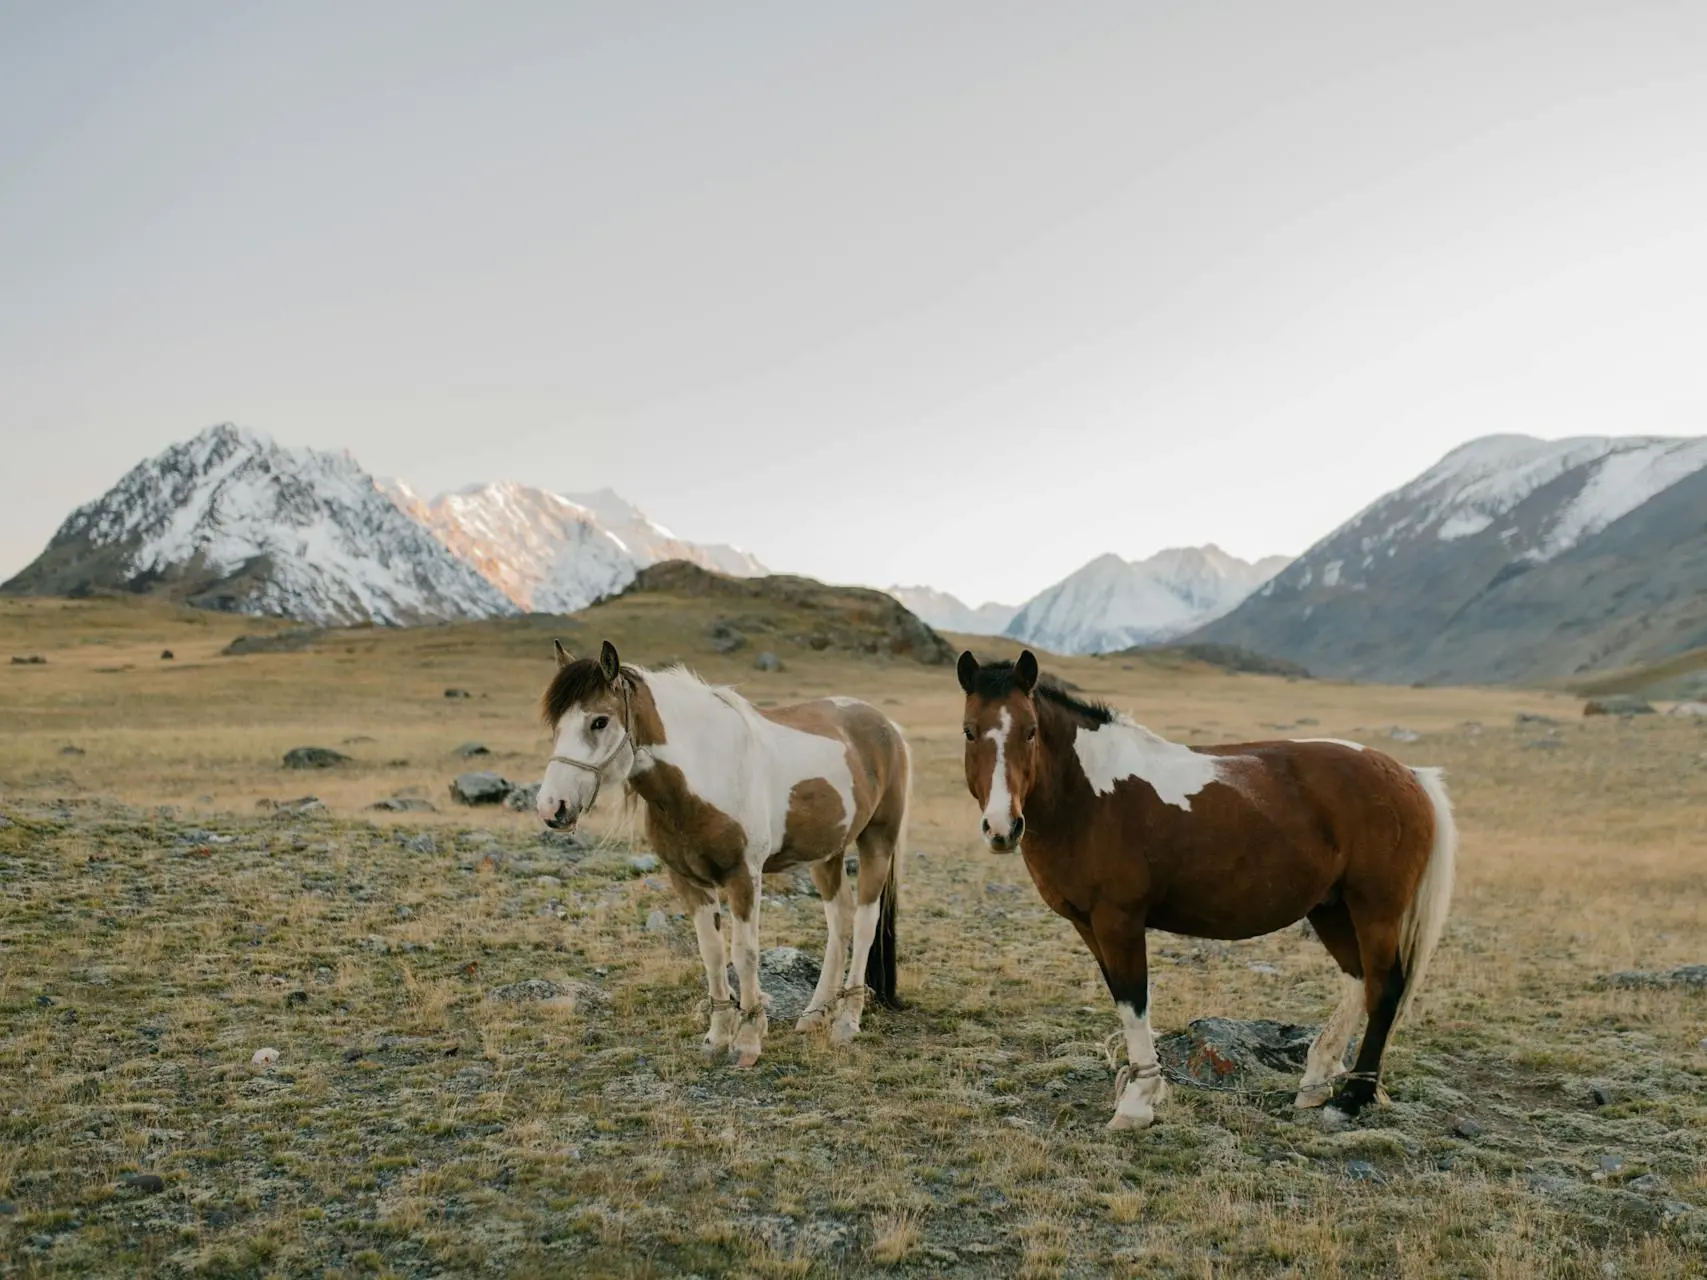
(1124, 749)
(998, 813)
(1337, 742)
(741, 763)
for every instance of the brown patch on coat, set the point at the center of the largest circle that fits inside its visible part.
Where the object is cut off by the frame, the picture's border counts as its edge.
(695, 838)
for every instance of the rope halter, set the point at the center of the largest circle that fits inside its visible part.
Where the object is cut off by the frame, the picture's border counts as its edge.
(627, 740)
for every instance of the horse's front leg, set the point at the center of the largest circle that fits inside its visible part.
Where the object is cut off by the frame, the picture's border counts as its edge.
(743, 891)
(1125, 967)
(711, 927)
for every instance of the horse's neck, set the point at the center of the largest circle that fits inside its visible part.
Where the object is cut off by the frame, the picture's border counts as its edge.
(1053, 809)
(704, 734)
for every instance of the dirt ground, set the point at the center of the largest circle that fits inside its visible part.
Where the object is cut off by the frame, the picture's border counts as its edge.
(488, 1041)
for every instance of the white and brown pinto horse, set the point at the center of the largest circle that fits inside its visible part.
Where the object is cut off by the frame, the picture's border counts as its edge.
(1123, 831)
(731, 792)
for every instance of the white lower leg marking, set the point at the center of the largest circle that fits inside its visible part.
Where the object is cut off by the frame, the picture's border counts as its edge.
(850, 1008)
(838, 917)
(1145, 1087)
(1327, 1050)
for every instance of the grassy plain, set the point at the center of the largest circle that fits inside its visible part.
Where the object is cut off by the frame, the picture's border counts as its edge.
(156, 928)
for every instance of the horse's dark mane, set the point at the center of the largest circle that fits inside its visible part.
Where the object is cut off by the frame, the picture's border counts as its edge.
(579, 682)
(995, 681)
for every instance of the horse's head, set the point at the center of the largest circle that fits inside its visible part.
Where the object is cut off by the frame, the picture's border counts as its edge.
(589, 706)
(1001, 743)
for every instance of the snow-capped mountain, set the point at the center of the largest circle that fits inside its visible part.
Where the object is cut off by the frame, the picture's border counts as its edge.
(1113, 603)
(230, 520)
(946, 612)
(1510, 558)
(550, 553)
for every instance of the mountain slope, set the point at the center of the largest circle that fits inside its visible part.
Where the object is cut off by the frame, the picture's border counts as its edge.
(1113, 603)
(229, 520)
(946, 612)
(549, 553)
(1510, 559)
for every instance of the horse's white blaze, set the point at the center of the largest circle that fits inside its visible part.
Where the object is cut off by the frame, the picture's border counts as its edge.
(1124, 749)
(1337, 742)
(998, 813)
(565, 784)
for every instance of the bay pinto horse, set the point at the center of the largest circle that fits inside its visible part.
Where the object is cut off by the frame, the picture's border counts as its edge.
(731, 792)
(1124, 831)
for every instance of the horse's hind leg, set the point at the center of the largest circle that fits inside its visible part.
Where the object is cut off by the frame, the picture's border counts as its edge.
(876, 855)
(1333, 926)
(712, 928)
(837, 893)
(1383, 988)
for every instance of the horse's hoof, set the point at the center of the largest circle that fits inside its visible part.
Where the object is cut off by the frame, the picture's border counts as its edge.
(1141, 1118)
(1313, 1097)
(812, 1019)
(741, 1059)
(843, 1033)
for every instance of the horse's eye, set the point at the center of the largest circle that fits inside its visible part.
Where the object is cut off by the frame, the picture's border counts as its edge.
(1031, 735)
(599, 722)
(970, 735)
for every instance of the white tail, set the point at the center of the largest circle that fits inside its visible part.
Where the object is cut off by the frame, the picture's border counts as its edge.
(1425, 918)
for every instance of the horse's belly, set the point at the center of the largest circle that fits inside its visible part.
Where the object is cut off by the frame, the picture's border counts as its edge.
(1247, 903)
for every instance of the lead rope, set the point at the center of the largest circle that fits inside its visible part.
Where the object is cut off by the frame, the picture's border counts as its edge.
(1127, 1073)
(627, 740)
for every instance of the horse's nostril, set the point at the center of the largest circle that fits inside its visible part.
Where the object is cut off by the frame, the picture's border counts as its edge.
(985, 826)
(1017, 832)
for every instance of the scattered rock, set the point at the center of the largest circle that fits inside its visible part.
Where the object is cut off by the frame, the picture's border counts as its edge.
(1467, 1128)
(644, 862)
(480, 788)
(1398, 734)
(1649, 1184)
(150, 1184)
(423, 843)
(1219, 1050)
(403, 804)
(358, 740)
(527, 989)
(1693, 709)
(469, 749)
(264, 1057)
(69, 750)
(293, 641)
(166, 655)
(522, 799)
(1308, 720)
(300, 807)
(767, 661)
(458, 693)
(31, 660)
(313, 758)
(296, 999)
(1362, 1171)
(1535, 717)
(725, 639)
(1602, 1095)
(657, 922)
(1689, 976)
(788, 977)
(1543, 744)
(1610, 1164)
(1266, 969)
(8, 1209)
(1620, 704)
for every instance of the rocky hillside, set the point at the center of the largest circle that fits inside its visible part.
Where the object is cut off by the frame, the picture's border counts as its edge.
(820, 617)
(1511, 559)
(1113, 603)
(232, 521)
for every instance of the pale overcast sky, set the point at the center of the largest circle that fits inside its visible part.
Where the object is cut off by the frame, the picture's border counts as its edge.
(962, 294)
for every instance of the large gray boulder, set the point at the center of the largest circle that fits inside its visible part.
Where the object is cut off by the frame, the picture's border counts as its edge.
(480, 788)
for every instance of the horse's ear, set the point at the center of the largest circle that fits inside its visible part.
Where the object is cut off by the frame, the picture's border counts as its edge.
(564, 657)
(1025, 672)
(609, 663)
(967, 670)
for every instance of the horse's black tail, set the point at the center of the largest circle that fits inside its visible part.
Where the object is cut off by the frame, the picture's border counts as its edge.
(881, 962)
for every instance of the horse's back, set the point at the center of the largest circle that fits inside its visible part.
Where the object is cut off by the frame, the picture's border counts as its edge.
(874, 745)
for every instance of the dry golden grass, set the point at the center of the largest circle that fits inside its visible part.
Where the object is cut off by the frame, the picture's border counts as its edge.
(416, 1125)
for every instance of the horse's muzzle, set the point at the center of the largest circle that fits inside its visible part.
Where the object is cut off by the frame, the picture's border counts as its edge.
(562, 820)
(1000, 843)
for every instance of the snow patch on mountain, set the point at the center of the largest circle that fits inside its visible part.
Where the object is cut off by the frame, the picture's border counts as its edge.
(1112, 603)
(946, 612)
(306, 529)
(551, 553)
